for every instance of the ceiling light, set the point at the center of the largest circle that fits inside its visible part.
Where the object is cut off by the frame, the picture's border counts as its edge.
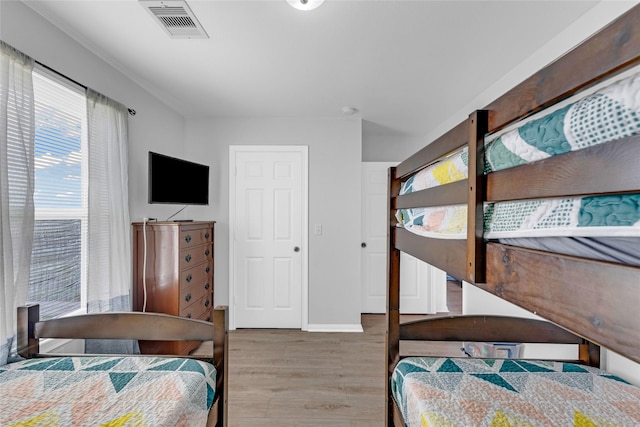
(305, 4)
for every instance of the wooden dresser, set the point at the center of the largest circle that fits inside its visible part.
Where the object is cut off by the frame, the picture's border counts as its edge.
(179, 275)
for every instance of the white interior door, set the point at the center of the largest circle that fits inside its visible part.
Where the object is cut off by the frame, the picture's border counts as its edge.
(374, 236)
(268, 241)
(422, 287)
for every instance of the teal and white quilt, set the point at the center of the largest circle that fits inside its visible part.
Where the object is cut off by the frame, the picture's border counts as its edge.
(612, 216)
(467, 392)
(606, 115)
(106, 391)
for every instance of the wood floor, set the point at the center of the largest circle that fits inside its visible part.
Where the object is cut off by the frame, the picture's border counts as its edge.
(293, 378)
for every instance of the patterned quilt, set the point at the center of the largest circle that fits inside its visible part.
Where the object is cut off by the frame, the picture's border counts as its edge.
(439, 392)
(609, 114)
(106, 391)
(606, 115)
(445, 222)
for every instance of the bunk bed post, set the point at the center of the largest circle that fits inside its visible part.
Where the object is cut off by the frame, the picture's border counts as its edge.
(593, 354)
(27, 344)
(221, 359)
(478, 124)
(392, 339)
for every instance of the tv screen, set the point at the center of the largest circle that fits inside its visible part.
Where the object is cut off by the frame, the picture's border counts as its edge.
(177, 181)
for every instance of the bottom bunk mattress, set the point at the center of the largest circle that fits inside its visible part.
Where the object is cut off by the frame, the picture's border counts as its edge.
(113, 391)
(508, 392)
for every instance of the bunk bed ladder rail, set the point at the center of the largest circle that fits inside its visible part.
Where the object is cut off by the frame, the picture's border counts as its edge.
(472, 132)
(478, 126)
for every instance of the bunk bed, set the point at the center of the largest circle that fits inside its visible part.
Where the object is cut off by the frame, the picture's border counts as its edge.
(101, 389)
(551, 154)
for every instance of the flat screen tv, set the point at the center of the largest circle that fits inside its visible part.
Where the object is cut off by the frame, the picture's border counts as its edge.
(177, 181)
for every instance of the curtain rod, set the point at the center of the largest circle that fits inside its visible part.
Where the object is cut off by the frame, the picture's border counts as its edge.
(131, 111)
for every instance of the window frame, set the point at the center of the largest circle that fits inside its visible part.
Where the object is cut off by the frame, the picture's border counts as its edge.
(81, 213)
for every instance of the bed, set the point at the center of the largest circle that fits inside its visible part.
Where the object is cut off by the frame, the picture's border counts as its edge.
(115, 390)
(534, 198)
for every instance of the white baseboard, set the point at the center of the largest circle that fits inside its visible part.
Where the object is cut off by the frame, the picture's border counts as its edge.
(335, 328)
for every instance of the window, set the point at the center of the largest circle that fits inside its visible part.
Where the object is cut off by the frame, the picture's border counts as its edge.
(58, 260)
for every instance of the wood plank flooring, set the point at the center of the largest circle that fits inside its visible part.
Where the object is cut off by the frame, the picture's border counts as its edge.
(293, 378)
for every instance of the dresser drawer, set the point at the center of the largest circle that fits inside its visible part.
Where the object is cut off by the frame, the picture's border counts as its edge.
(206, 306)
(198, 274)
(197, 309)
(189, 295)
(195, 255)
(190, 238)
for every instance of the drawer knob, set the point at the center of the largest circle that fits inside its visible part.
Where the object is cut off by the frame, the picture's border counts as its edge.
(188, 258)
(206, 303)
(208, 269)
(206, 286)
(189, 278)
(206, 235)
(206, 252)
(187, 238)
(188, 316)
(188, 297)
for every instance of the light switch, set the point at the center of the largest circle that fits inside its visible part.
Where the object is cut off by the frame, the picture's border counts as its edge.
(318, 229)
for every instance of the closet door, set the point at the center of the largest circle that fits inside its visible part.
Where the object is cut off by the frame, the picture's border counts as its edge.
(422, 287)
(266, 237)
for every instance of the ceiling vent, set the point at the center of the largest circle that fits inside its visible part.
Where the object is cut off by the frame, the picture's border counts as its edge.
(175, 17)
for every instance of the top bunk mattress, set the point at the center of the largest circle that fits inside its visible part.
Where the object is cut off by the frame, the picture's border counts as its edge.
(609, 114)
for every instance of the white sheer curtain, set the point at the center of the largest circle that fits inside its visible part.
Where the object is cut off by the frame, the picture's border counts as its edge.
(109, 245)
(17, 128)
(109, 236)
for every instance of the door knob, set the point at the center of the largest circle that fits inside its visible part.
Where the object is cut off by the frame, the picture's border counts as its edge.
(296, 249)
(363, 244)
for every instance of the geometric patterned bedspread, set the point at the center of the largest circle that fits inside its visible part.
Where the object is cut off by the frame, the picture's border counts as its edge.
(609, 114)
(106, 391)
(508, 392)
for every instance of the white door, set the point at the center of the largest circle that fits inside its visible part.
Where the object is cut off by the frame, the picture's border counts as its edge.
(374, 236)
(267, 236)
(422, 287)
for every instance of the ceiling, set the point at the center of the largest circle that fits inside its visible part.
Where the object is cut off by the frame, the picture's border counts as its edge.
(405, 65)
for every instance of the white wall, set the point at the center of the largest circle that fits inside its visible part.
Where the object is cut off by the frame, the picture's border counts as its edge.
(155, 127)
(335, 147)
(592, 21)
(381, 144)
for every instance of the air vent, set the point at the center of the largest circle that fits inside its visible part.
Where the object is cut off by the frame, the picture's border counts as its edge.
(175, 17)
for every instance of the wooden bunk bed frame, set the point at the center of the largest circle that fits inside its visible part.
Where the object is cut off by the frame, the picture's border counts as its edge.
(134, 326)
(597, 301)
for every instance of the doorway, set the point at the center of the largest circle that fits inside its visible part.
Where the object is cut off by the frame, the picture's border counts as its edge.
(268, 241)
(422, 286)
